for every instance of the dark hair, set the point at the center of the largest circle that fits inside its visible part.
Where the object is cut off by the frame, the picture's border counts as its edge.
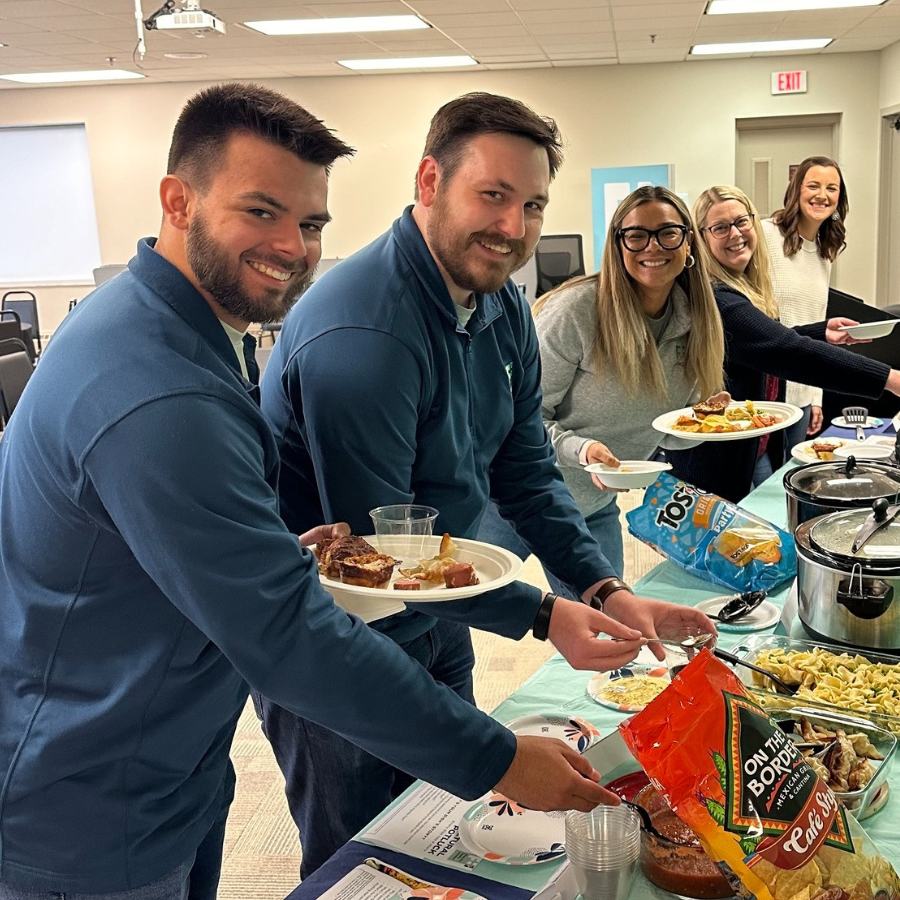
(831, 233)
(211, 117)
(458, 121)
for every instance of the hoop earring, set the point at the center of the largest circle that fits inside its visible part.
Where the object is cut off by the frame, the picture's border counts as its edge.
(689, 262)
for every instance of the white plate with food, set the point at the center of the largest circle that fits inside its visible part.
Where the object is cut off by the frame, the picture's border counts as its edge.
(500, 830)
(736, 420)
(871, 422)
(576, 732)
(629, 689)
(818, 450)
(870, 331)
(369, 577)
(630, 473)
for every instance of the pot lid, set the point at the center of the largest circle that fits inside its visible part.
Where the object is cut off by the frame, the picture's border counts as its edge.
(846, 482)
(834, 534)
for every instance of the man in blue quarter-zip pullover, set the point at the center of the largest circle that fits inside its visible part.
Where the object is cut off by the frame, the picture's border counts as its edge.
(145, 574)
(411, 372)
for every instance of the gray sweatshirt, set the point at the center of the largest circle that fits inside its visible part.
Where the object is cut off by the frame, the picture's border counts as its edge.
(582, 404)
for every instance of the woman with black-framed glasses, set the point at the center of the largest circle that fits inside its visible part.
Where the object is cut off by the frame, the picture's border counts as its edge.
(620, 347)
(759, 350)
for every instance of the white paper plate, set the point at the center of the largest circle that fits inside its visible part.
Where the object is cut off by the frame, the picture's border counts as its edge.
(494, 566)
(631, 473)
(604, 686)
(863, 450)
(576, 732)
(501, 831)
(803, 451)
(870, 330)
(764, 616)
(871, 422)
(788, 412)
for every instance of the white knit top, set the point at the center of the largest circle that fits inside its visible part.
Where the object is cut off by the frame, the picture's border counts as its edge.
(801, 289)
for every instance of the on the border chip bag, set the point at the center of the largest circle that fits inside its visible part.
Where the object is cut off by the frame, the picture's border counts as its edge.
(713, 538)
(731, 774)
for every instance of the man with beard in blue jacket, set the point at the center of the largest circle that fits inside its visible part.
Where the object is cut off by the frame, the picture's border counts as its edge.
(146, 577)
(410, 372)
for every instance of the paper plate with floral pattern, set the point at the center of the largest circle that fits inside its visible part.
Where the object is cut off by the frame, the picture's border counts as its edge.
(577, 732)
(500, 830)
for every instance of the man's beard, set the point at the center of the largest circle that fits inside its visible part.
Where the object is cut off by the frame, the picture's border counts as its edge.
(216, 275)
(450, 250)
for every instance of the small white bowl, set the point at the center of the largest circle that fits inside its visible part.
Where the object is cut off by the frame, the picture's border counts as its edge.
(631, 473)
(870, 330)
(863, 450)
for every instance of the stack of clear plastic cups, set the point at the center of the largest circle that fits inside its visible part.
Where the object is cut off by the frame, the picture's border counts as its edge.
(603, 847)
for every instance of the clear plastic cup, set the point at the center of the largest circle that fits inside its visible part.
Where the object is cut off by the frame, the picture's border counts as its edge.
(401, 529)
(603, 847)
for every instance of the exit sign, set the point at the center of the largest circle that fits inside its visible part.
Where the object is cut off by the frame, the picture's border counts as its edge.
(789, 82)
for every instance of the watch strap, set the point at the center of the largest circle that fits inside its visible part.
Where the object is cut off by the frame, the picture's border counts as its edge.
(600, 596)
(541, 627)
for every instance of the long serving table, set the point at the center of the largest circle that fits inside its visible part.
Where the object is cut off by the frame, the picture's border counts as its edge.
(558, 689)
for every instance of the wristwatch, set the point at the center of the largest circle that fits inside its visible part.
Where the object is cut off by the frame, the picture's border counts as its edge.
(541, 626)
(600, 596)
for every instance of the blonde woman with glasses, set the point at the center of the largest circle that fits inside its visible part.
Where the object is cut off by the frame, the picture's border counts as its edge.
(620, 347)
(759, 351)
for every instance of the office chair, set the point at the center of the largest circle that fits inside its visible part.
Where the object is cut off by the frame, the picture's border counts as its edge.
(558, 258)
(15, 370)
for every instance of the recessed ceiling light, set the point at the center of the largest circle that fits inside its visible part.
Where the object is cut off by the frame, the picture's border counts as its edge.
(409, 62)
(760, 47)
(343, 25)
(62, 77)
(731, 7)
(185, 55)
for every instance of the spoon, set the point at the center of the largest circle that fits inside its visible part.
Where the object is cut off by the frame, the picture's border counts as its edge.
(692, 642)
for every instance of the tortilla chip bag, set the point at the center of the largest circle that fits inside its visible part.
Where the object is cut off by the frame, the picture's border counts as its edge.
(731, 774)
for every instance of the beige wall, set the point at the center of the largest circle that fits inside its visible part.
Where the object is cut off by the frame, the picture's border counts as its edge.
(679, 113)
(889, 95)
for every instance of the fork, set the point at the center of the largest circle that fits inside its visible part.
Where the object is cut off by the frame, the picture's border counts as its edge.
(856, 415)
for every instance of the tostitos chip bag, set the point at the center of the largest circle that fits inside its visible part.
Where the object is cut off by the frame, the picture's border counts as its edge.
(731, 774)
(713, 538)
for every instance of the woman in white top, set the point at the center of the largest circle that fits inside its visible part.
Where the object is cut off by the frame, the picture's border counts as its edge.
(804, 238)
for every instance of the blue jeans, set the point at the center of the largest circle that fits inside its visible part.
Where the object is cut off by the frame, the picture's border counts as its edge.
(333, 787)
(604, 525)
(195, 879)
(762, 470)
(796, 433)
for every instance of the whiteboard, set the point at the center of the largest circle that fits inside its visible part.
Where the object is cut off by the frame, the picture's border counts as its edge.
(48, 224)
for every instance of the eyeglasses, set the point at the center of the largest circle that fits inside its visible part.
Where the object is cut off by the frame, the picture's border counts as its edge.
(723, 229)
(669, 237)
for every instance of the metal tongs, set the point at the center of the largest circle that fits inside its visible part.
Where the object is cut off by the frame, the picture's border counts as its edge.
(882, 515)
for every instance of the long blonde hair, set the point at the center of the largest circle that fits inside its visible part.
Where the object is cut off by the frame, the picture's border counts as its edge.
(624, 342)
(755, 282)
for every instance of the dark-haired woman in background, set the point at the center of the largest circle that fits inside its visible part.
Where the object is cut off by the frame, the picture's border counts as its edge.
(804, 238)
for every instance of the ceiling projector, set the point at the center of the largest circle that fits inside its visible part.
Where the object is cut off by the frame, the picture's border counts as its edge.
(188, 18)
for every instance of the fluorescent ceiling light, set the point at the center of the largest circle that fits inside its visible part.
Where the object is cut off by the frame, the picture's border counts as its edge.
(760, 47)
(344, 25)
(62, 77)
(409, 62)
(732, 7)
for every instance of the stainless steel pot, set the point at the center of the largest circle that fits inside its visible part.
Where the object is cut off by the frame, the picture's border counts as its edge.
(825, 487)
(848, 577)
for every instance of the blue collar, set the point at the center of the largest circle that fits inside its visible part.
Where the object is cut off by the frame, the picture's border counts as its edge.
(171, 286)
(412, 245)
